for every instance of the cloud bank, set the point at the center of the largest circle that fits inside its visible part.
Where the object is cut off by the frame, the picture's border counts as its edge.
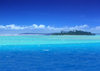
(34, 28)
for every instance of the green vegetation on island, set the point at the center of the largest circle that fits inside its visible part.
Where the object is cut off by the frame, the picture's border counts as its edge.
(75, 32)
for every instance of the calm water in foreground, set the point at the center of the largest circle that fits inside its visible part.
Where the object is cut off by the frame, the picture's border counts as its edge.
(49, 53)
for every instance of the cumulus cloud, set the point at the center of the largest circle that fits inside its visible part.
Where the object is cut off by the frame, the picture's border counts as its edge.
(48, 28)
(41, 26)
(12, 26)
(55, 28)
(38, 26)
(81, 27)
(2, 27)
(15, 27)
(35, 26)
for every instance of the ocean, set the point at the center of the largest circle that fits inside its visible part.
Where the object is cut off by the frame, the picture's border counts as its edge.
(49, 53)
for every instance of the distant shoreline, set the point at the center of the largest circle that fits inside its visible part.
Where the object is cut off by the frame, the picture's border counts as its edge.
(40, 34)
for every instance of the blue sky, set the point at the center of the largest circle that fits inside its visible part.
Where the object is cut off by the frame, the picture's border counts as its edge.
(57, 14)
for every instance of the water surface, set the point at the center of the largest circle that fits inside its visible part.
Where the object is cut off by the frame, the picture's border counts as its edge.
(49, 53)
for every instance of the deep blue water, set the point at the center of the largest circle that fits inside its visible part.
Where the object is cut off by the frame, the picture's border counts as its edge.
(56, 57)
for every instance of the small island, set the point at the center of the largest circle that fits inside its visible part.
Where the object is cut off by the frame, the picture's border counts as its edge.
(74, 32)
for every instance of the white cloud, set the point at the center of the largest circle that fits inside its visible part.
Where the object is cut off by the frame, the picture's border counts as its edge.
(47, 29)
(53, 28)
(35, 26)
(12, 26)
(41, 26)
(81, 27)
(2, 27)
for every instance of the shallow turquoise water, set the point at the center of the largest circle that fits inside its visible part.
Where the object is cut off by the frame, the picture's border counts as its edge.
(41, 39)
(49, 53)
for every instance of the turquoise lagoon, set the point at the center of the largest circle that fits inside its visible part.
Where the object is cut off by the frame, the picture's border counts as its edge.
(49, 53)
